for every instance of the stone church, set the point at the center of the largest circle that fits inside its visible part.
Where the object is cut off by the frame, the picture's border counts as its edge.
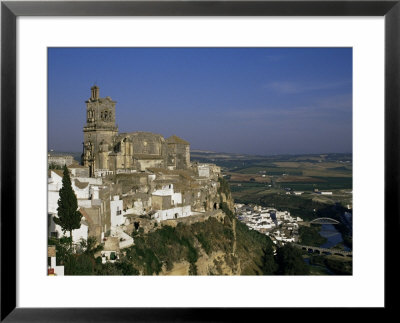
(105, 151)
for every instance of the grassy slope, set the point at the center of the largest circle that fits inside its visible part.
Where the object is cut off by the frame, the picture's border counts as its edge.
(170, 245)
(250, 246)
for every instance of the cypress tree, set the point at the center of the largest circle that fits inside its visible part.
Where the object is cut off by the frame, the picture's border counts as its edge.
(69, 218)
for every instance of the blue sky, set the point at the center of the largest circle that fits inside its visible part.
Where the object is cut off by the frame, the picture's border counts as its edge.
(246, 100)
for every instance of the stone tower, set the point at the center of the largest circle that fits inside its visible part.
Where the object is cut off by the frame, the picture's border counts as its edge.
(99, 131)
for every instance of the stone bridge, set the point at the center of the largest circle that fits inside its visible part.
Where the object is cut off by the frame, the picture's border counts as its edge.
(324, 251)
(324, 221)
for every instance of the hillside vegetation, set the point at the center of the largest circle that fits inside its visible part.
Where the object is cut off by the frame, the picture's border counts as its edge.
(213, 241)
(219, 245)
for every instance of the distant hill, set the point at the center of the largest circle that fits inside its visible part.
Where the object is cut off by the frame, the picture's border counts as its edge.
(202, 151)
(213, 157)
(288, 157)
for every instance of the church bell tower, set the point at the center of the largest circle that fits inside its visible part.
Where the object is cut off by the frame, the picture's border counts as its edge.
(99, 131)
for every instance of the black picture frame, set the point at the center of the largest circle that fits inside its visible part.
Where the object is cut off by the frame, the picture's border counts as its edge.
(10, 10)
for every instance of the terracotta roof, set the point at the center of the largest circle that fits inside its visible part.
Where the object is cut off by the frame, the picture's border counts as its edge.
(176, 140)
(80, 184)
(59, 172)
(51, 251)
(91, 216)
(111, 244)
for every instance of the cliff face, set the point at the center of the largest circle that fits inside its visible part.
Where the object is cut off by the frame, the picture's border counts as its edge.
(211, 243)
(218, 263)
(216, 244)
(225, 195)
(228, 200)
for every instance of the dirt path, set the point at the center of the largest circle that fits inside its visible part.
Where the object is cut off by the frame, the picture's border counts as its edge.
(236, 270)
(234, 237)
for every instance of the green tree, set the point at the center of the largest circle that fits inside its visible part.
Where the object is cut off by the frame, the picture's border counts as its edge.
(290, 261)
(126, 268)
(89, 246)
(310, 236)
(63, 248)
(54, 166)
(268, 266)
(79, 264)
(69, 218)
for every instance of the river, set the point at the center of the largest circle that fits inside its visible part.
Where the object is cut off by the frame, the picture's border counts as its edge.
(333, 236)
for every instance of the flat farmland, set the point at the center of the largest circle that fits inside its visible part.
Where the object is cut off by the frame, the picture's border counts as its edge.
(298, 179)
(238, 177)
(272, 178)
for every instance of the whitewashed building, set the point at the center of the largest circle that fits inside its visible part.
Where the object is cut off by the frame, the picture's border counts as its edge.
(168, 204)
(86, 191)
(173, 213)
(116, 207)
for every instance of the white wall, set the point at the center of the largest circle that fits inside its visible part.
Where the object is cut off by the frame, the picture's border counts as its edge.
(94, 192)
(55, 181)
(127, 240)
(116, 205)
(78, 234)
(168, 190)
(81, 193)
(165, 190)
(169, 214)
(204, 170)
(59, 270)
(176, 198)
(81, 233)
(52, 199)
(138, 208)
(85, 203)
